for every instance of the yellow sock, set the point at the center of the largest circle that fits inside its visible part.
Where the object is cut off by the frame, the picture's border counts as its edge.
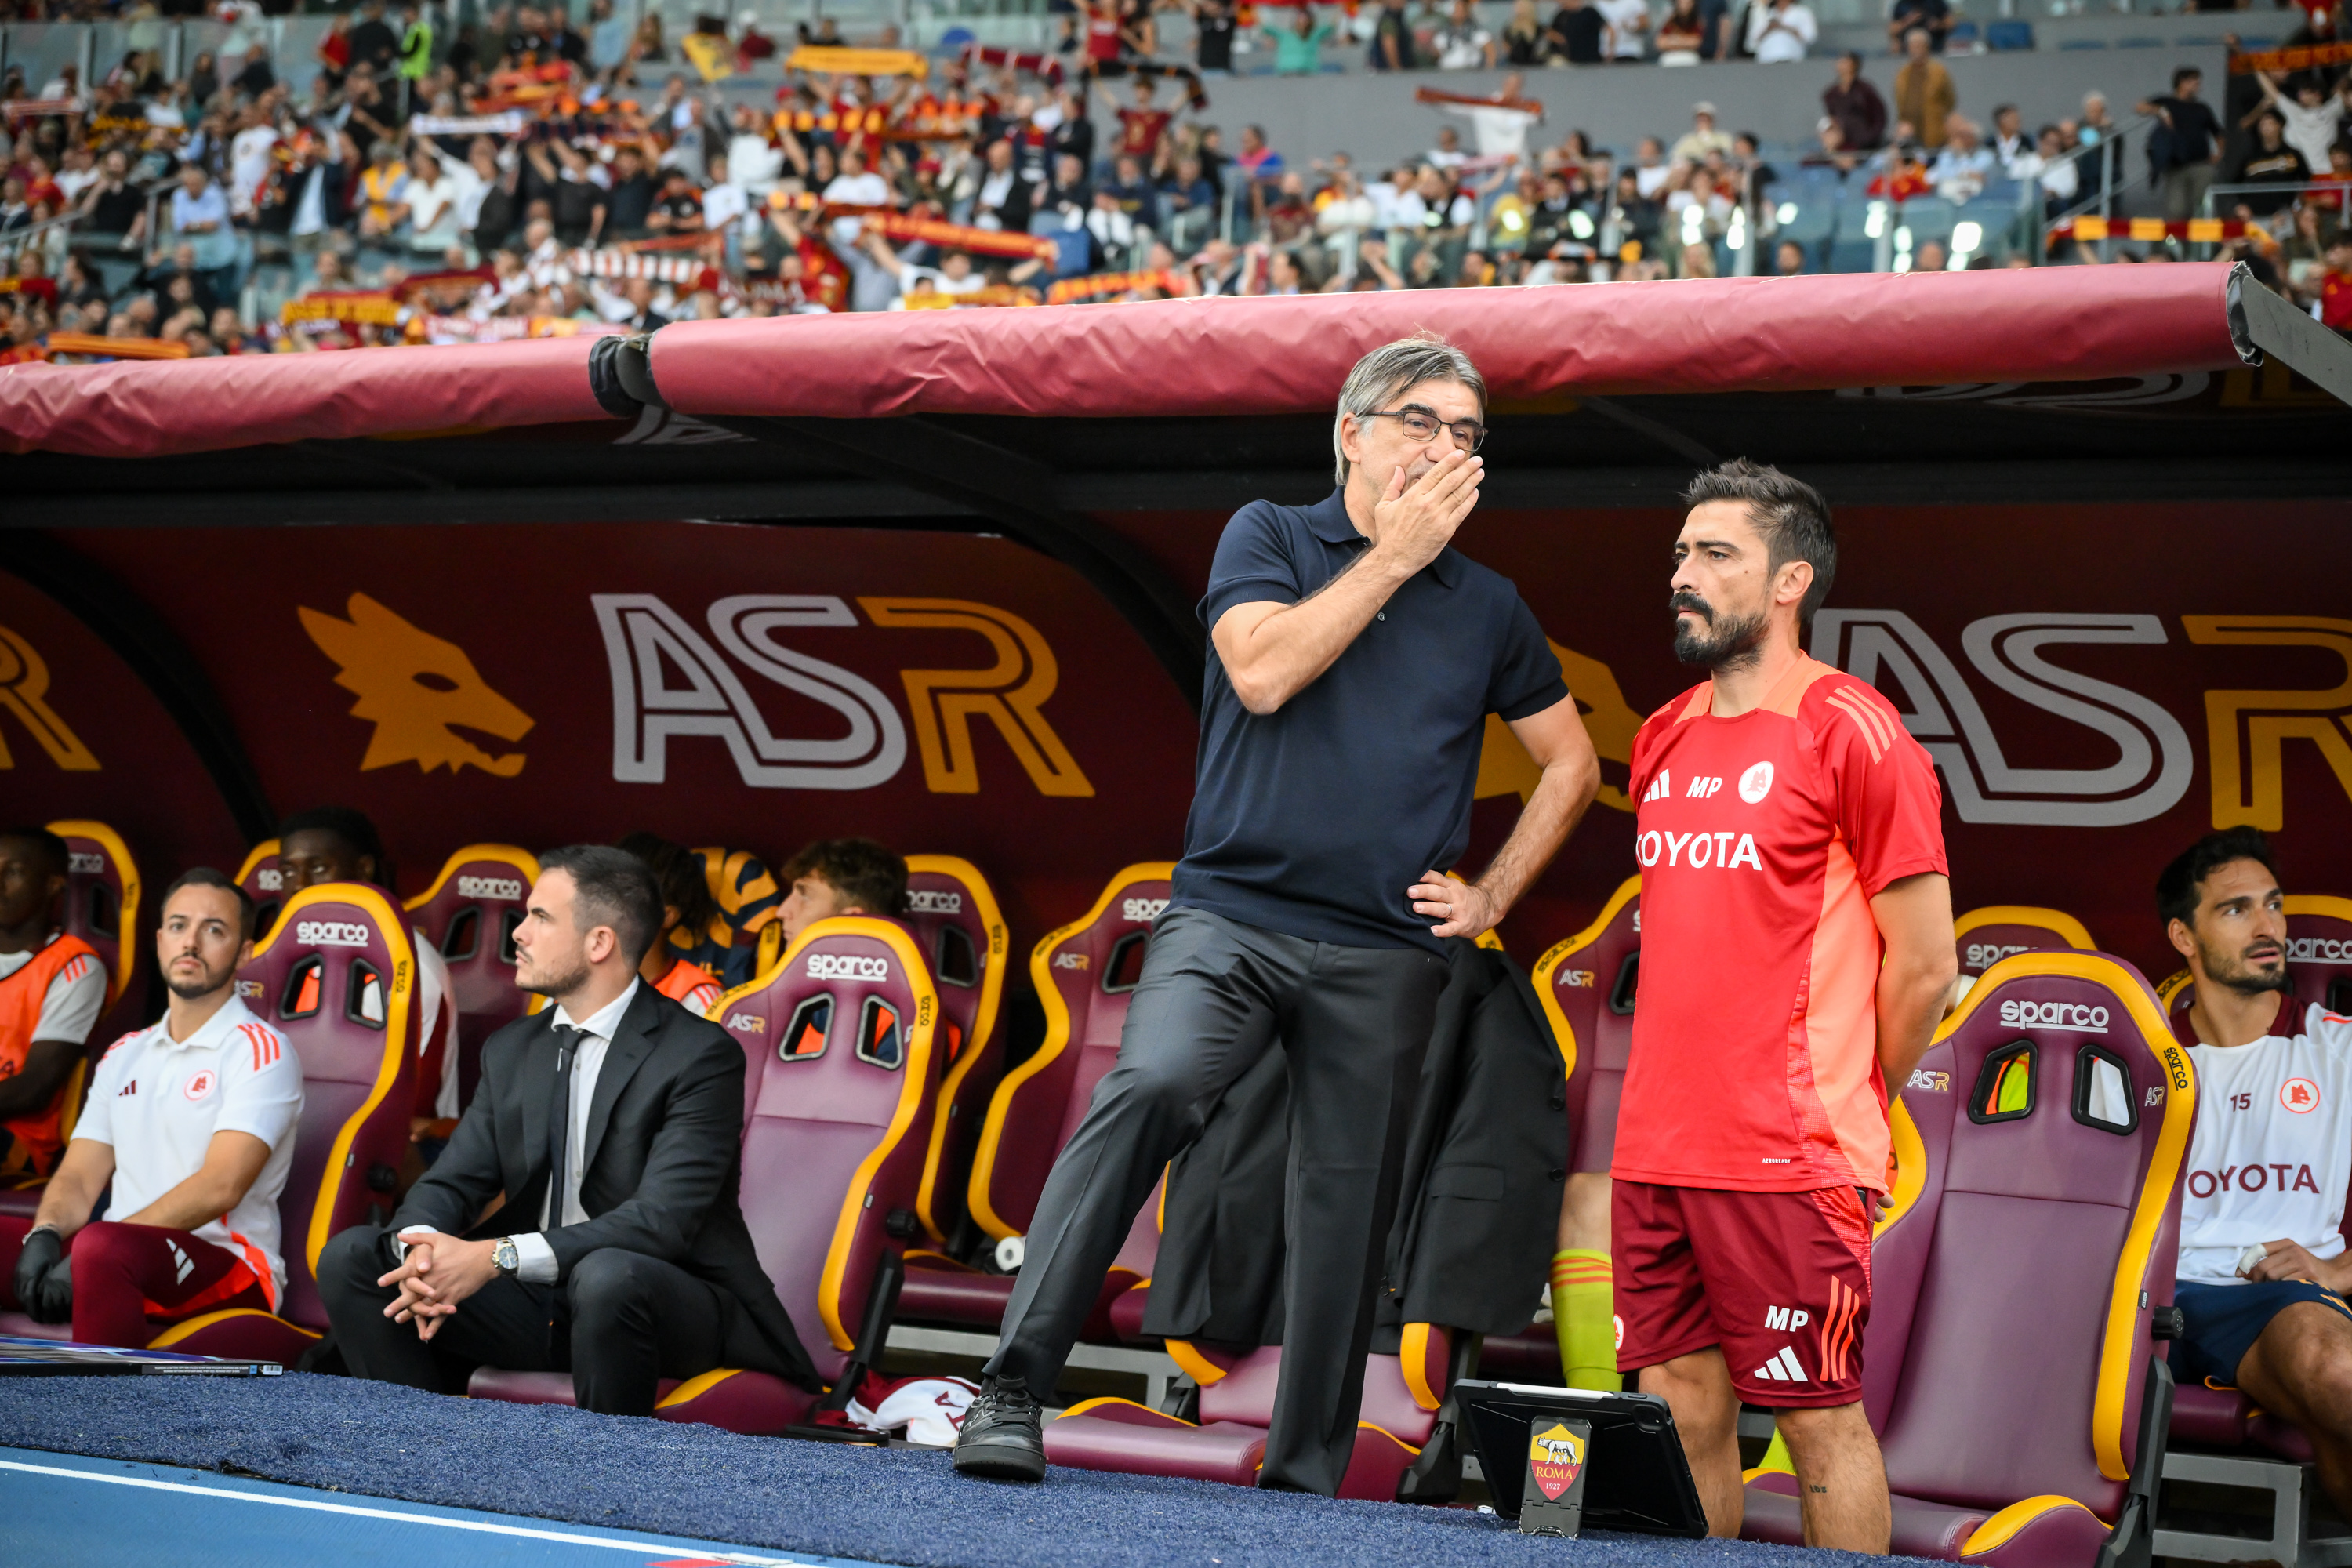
(1584, 1312)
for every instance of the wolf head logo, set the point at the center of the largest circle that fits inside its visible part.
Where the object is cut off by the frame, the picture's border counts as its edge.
(419, 689)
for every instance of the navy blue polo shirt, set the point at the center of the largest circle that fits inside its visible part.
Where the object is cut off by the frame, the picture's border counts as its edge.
(1313, 819)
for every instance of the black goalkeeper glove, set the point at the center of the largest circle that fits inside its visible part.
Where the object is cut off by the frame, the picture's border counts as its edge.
(44, 1282)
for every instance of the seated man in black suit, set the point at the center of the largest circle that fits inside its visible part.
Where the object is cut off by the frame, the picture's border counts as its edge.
(614, 1122)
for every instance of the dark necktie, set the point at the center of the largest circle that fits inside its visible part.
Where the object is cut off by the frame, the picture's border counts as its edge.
(558, 1132)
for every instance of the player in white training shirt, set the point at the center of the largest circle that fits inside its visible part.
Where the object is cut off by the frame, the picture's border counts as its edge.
(2262, 1270)
(191, 1120)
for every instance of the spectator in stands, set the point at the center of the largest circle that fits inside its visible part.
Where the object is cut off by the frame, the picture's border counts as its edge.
(1781, 31)
(2262, 1271)
(337, 844)
(678, 209)
(1702, 139)
(1931, 257)
(1463, 45)
(1924, 94)
(1212, 35)
(1578, 33)
(1933, 17)
(688, 906)
(113, 210)
(639, 1265)
(2314, 117)
(840, 877)
(1789, 260)
(1854, 107)
(52, 988)
(194, 1165)
(1629, 27)
(629, 202)
(1392, 46)
(2271, 161)
(2186, 148)
(2010, 141)
(1962, 168)
(1523, 35)
(1298, 49)
(432, 193)
(2334, 294)
(200, 220)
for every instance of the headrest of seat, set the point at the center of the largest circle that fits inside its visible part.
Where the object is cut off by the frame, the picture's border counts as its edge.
(1986, 936)
(337, 976)
(1595, 971)
(102, 898)
(473, 908)
(2319, 950)
(952, 912)
(1100, 953)
(263, 884)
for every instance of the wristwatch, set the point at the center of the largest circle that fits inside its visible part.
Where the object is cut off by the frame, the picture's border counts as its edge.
(504, 1257)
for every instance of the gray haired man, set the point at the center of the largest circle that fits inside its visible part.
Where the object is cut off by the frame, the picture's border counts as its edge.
(1355, 657)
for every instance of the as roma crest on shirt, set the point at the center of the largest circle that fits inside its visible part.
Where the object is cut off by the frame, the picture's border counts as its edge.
(1555, 1458)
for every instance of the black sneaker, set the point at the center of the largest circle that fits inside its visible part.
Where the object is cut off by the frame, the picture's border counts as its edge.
(1002, 1437)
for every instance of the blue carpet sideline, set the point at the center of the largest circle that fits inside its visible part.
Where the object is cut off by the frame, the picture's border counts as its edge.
(900, 1506)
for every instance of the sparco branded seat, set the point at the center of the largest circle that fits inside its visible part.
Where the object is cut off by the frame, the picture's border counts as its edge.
(1402, 1394)
(470, 914)
(2219, 1436)
(1983, 937)
(953, 914)
(336, 976)
(840, 1040)
(264, 884)
(2039, 1148)
(1083, 973)
(1587, 983)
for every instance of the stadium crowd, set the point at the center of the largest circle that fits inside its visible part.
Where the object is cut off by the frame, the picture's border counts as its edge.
(517, 179)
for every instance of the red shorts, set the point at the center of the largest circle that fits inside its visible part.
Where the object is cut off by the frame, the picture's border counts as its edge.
(1779, 1280)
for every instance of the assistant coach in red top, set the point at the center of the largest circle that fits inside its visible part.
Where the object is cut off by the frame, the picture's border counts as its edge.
(1796, 953)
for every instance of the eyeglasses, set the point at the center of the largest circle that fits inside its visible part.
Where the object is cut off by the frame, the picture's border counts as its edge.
(1422, 427)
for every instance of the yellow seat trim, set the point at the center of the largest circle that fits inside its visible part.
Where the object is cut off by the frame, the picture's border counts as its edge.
(2119, 1370)
(1413, 1358)
(1910, 1165)
(400, 988)
(1197, 1367)
(179, 1331)
(265, 850)
(1560, 951)
(126, 932)
(984, 1023)
(2003, 1528)
(1084, 1405)
(694, 1388)
(1058, 1040)
(1376, 1426)
(2077, 934)
(522, 860)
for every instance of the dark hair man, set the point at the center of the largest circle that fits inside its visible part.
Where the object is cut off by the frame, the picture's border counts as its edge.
(1355, 659)
(337, 844)
(1796, 951)
(640, 1265)
(52, 988)
(686, 904)
(2262, 1270)
(191, 1120)
(841, 876)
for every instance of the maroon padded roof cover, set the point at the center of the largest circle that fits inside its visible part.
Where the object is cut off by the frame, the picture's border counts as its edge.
(1267, 355)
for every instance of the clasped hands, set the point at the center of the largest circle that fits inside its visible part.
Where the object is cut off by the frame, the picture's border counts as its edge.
(435, 1275)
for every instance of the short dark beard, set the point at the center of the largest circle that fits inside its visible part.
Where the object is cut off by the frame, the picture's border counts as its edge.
(563, 985)
(1729, 644)
(212, 982)
(2224, 970)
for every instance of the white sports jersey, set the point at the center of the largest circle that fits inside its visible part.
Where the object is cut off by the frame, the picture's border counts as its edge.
(2272, 1153)
(158, 1101)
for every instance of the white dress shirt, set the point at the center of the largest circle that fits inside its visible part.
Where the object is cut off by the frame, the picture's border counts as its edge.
(536, 1259)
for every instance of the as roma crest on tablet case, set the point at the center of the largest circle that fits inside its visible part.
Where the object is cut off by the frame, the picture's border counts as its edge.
(1553, 1501)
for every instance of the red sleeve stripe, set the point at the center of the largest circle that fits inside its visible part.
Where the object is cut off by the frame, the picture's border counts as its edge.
(266, 1047)
(122, 1042)
(1853, 708)
(76, 967)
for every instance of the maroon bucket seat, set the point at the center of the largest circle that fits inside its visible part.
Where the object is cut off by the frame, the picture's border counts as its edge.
(470, 914)
(1402, 1394)
(953, 914)
(840, 1038)
(2011, 1367)
(336, 976)
(262, 883)
(1083, 973)
(1983, 937)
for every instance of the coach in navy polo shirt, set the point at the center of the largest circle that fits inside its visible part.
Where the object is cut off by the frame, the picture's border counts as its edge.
(1356, 658)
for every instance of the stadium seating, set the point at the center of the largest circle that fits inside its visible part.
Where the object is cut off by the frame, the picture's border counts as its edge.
(347, 1007)
(470, 913)
(1983, 937)
(839, 1042)
(1402, 1394)
(1083, 973)
(953, 914)
(260, 879)
(2234, 1442)
(2046, 1128)
(1586, 984)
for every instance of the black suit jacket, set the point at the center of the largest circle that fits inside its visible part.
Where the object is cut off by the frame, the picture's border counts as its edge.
(664, 1158)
